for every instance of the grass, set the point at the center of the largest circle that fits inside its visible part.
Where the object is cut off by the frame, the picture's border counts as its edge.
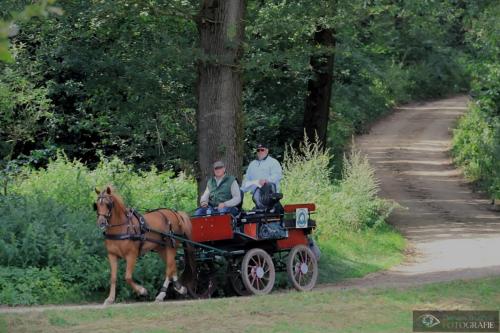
(355, 254)
(370, 310)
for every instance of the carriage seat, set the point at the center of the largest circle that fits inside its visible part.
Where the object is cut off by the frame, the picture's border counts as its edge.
(267, 199)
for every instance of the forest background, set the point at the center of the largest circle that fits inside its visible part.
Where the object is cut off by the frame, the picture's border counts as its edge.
(97, 92)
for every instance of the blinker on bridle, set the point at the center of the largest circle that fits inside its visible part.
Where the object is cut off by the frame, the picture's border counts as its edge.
(109, 204)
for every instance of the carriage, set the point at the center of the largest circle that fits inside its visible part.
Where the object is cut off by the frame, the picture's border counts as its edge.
(251, 247)
(244, 251)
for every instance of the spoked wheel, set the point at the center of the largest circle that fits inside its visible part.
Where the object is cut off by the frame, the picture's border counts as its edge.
(302, 268)
(235, 281)
(257, 272)
(205, 284)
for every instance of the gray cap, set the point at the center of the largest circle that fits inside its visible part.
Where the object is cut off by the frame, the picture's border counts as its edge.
(218, 164)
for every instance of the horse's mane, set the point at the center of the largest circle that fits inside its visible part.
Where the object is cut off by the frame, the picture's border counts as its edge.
(118, 201)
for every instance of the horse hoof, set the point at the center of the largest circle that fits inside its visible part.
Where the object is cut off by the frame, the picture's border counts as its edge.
(182, 290)
(160, 297)
(143, 291)
(108, 301)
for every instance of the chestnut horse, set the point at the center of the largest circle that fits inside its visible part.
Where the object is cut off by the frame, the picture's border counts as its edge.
(127, 236)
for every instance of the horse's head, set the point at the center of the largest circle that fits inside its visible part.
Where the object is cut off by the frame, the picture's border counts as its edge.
(104, 207)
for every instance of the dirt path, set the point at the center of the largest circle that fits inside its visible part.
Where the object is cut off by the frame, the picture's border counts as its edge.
(452, 233)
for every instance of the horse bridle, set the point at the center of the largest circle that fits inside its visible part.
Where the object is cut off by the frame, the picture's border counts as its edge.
(110, 204)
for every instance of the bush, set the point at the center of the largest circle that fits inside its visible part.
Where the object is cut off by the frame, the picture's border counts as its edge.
(48, 221)
(25, 286)
(476, 142)
(476, 147)
(349, 205)
(356, 205)
(52, 240)
(142, 190)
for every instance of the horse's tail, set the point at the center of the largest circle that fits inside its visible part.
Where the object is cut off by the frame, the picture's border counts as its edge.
(189, 251)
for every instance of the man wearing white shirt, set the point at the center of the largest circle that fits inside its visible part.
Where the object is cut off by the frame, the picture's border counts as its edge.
(261, 171)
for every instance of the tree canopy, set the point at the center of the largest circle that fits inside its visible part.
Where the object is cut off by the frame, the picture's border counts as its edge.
(119, 77)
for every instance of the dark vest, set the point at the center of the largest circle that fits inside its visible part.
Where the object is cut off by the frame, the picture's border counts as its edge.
(221, 193)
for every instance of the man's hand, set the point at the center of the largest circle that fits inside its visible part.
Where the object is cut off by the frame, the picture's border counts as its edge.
(221, 205)
(204, 204)
(262, 182)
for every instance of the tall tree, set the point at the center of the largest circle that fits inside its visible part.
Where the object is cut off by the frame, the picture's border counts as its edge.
(317, 108)
(219, 113)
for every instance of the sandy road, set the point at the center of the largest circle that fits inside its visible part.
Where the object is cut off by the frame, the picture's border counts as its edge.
(453, 233)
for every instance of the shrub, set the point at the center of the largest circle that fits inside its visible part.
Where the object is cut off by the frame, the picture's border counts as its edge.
(25, 286)
(476, 147)
(48, 225)
(48, 221)
(350, 205)
(476, 142)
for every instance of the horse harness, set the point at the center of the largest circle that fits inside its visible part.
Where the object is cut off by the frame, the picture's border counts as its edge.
(139, 235)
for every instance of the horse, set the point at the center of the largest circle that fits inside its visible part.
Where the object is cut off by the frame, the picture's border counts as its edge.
(129, 235)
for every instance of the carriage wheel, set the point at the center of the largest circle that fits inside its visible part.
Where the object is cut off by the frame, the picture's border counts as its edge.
(235, 281)
(205, 283)
(302, 268)
(257, 272)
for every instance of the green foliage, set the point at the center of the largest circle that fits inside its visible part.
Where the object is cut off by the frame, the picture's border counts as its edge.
(351, 229)
(356, 203)
(476, 147)
(51, 229)
(8, 28)
(349, 205)
(472, 144)
(47, 221)
(121, 75)
(117, 78)
(26, 286)
(386, 53)
(476, 143)
(24, 110)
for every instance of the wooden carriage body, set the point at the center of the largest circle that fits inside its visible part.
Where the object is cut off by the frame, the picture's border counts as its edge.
(255, 245)
(226, 230)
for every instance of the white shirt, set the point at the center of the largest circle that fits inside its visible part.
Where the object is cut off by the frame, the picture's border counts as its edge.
(267, 168)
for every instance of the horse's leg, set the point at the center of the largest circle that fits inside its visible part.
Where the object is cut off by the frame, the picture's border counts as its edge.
(113, 263)
(172, 271)
(170, 274)
(163, 291)
(131, 260)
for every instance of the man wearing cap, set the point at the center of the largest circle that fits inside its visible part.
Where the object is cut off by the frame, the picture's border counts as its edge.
(261, 171)
(222, 194)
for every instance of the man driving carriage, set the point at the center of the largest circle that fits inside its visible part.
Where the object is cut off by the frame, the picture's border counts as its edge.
(222, 194)
(262, 177)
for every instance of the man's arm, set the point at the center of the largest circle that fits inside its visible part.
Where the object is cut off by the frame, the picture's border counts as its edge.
(204, 197)
(248, 178)
(276, 172)
(235, 192)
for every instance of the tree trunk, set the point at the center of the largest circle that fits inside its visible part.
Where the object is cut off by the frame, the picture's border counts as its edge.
(319, 87)
(219, 114)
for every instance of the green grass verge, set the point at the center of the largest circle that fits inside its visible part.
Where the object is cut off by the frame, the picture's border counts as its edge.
(355, 254)
(370, 310)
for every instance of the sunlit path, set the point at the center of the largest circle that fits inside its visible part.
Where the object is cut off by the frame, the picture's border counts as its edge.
(452, 232)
